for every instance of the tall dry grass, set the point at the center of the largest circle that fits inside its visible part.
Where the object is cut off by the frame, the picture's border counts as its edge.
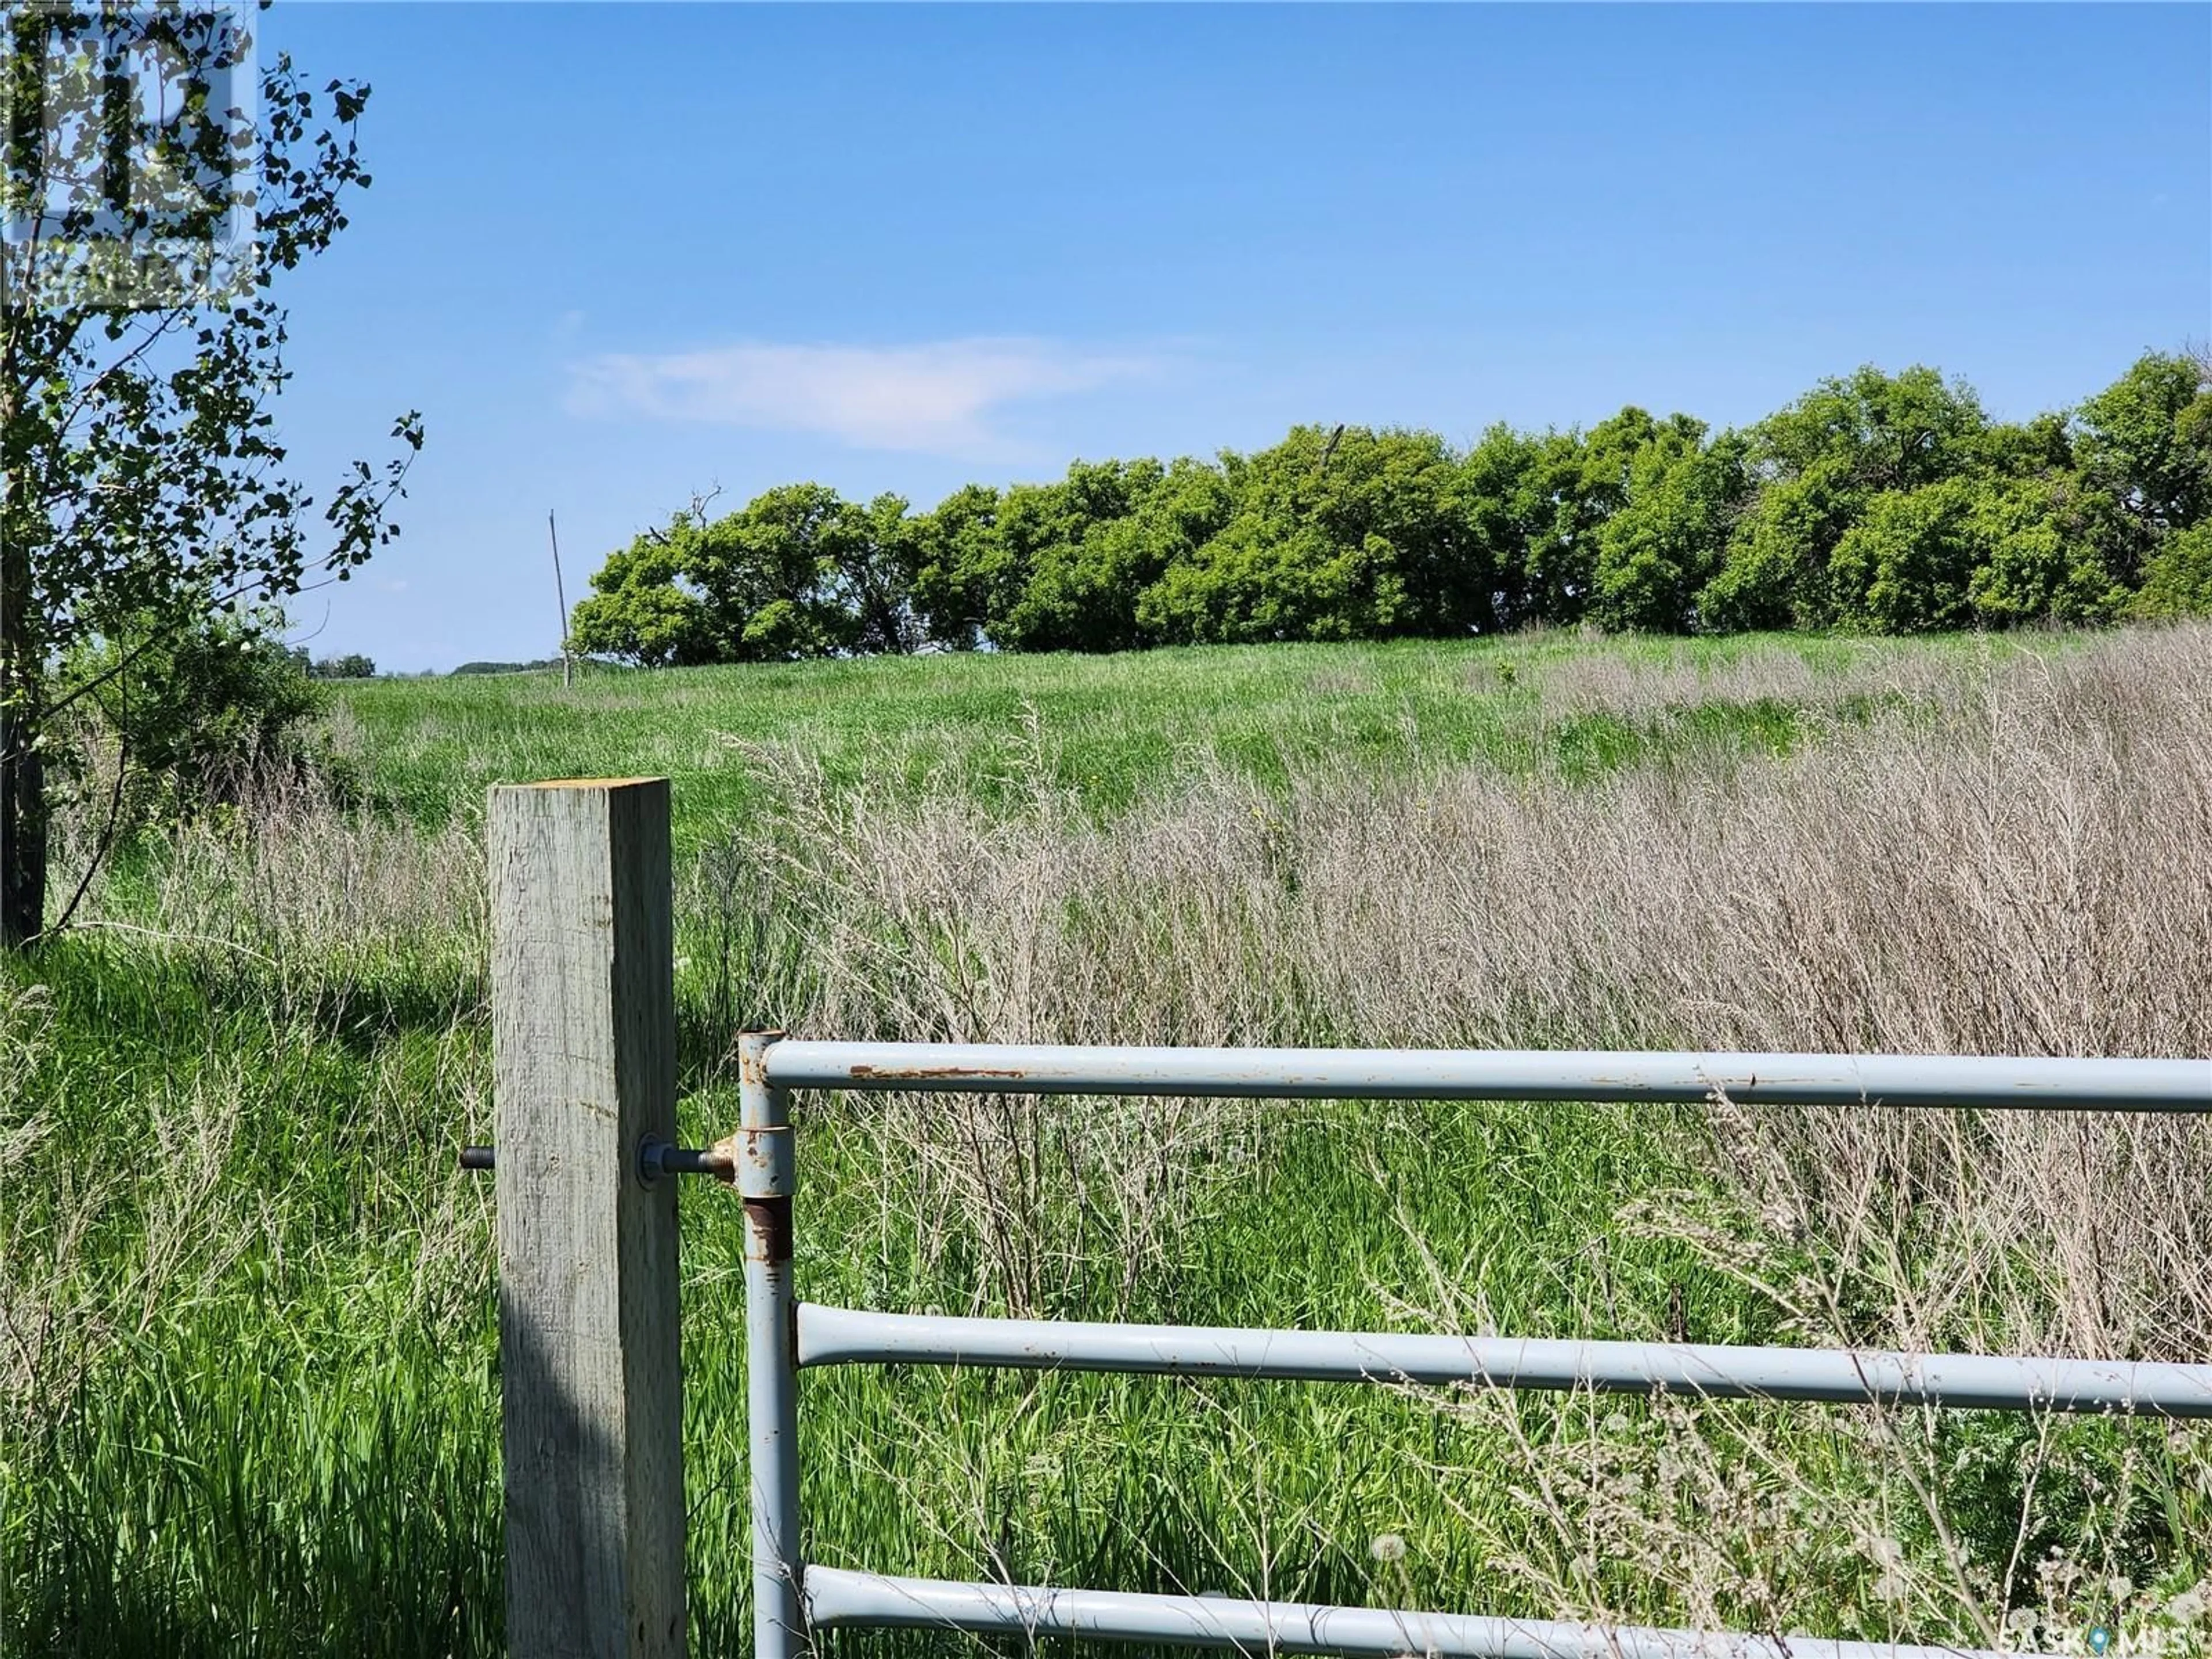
(1842, 672)
(2016, 858)
(319, 899)
(2017, 867)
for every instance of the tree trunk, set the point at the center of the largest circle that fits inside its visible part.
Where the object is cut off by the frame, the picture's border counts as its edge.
(22, 841)
(22, 768)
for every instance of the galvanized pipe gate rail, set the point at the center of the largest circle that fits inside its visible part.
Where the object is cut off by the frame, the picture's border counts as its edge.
(594, 1499)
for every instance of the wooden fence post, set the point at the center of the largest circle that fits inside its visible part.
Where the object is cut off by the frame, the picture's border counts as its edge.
(583, 1053)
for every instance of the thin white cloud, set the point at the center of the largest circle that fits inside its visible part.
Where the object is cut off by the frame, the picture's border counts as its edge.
(942, 398)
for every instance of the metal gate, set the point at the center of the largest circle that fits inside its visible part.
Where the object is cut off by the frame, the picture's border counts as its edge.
(785, 1337)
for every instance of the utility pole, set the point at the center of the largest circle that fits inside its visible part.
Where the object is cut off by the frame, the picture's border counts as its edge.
(568, 663)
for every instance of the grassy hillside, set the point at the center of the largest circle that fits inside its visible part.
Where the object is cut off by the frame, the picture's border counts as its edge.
(249, 1354)
(1109, 729)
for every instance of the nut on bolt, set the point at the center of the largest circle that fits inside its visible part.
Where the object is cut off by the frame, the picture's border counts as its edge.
(655, 1158)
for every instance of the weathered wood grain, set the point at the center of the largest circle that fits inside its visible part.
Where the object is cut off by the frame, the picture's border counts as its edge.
(584, 1051)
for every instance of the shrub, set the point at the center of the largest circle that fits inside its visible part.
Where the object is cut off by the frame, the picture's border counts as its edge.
(2177, 580)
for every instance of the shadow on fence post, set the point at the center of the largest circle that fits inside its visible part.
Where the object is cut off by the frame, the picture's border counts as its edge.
(584, 1053)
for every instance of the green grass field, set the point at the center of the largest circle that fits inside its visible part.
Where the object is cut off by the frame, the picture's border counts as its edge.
(1109, 728)
(252, 1376)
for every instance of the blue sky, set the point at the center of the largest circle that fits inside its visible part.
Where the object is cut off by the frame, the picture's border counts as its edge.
(620, 253)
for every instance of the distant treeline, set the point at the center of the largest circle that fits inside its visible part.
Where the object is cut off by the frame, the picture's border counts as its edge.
(538, 666)
(351, 667)
(1887, 503)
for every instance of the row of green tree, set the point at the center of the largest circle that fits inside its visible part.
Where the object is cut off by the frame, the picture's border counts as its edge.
(353, 666)
(1888, 503)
